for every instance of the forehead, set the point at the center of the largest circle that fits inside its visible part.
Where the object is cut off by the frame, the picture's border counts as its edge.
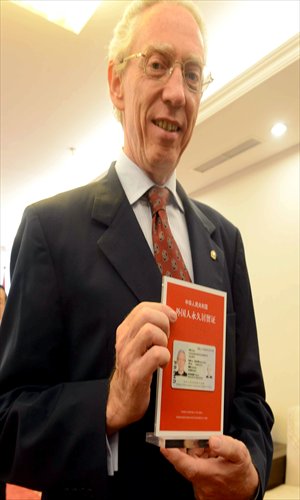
(170, 25)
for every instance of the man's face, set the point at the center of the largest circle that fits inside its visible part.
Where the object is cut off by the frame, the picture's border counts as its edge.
(181, 361)
(151, 107)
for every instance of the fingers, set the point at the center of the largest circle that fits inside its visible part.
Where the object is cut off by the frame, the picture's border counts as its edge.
(145, 328)
(226, 467)
(225, 447)
(154, 313)
(185, 464)
(201, 452)
(141, 347)
(179, 458)
(155, 357)
(147, 336)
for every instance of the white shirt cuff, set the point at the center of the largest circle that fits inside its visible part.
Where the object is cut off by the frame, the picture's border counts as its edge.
(112, 448)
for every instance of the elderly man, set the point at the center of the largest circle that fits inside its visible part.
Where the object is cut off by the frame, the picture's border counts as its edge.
(85, 331)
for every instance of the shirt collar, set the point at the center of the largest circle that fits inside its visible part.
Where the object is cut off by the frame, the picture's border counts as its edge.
(136, 182)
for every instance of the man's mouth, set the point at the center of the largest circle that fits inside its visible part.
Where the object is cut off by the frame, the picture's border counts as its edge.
(165, 125)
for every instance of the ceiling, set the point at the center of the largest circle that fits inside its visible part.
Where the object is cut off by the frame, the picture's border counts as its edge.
(57, 127)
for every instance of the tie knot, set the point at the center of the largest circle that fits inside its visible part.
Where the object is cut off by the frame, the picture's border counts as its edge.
(158, 198)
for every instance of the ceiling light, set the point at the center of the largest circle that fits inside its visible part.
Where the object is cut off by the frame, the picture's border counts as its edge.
(69, 14)
(278, 129)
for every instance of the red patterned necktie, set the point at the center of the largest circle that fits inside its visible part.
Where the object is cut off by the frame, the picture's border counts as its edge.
(166, 251)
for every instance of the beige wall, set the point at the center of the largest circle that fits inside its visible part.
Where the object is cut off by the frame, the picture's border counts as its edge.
(263, 201)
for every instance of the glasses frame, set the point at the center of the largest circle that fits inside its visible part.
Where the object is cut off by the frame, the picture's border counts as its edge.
(209, 79)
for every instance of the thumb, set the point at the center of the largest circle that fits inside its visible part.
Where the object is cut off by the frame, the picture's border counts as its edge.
(229, 448)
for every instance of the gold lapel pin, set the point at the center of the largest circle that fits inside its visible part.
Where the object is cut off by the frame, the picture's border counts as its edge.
(213, 255)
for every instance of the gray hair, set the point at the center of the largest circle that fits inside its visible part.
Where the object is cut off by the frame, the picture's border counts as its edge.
(120, 44)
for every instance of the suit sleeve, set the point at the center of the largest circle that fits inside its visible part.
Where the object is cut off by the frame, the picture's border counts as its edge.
(52, 429)
(251, 418)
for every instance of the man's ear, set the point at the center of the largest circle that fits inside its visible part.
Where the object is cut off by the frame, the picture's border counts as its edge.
(115, 87)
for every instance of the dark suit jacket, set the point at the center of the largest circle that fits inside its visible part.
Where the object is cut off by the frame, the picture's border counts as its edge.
(79, 264)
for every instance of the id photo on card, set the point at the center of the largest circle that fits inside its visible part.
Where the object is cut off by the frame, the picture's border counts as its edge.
(193, 366)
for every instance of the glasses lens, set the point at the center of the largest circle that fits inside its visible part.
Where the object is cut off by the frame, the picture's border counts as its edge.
(156, 65)
(192, 73)
(159, 65)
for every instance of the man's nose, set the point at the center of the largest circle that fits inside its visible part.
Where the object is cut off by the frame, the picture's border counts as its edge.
(174, 88)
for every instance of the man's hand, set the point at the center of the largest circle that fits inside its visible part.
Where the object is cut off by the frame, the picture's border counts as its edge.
(141, 347)
(224, 471)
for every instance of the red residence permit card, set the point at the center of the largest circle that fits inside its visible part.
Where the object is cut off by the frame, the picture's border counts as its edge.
(190, 389)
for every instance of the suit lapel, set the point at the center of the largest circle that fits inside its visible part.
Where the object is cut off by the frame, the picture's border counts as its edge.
(124, 245)
(208, 257)
(123, 242)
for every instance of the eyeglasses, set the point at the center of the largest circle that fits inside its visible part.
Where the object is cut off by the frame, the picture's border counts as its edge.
(160, 66)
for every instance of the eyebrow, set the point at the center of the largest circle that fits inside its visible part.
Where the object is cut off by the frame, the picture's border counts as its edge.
(168, 49)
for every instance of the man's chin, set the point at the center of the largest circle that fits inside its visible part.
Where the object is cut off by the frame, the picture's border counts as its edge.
(160, 172)
(166, 162)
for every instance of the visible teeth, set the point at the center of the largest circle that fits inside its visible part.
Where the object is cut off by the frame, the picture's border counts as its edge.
(166, 125)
